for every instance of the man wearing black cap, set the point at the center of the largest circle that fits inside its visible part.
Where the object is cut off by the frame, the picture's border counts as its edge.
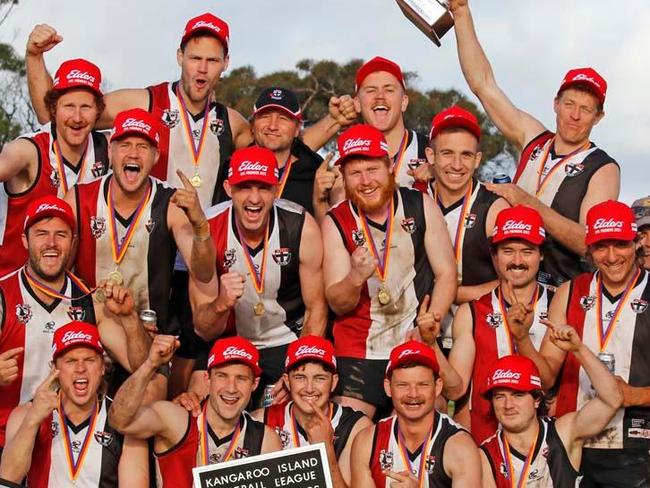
(276, 125)
(418, 446)
(562, 174)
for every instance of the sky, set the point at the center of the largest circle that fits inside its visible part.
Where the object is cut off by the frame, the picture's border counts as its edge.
(531, 45)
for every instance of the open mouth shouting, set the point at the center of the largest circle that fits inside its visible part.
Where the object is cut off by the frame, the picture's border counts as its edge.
(80, 386)
(131, 171)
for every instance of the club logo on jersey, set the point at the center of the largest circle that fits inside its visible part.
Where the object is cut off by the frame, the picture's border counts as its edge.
(170, 118)
(285, 437)
(386, 460)
(494, 319)
(545, 452)
(97, 169)
(414, 164)
(54, 428)
(609, 316)
(536, 152)
(543, 315)
(503, 471)
(470, 221)
(430, 464)
(23, 313)
(76, 313)
(149, 225)
(103, 438)
(574, 169)
(54, 179)
(49, 327)
(76, 446)
(282, 256)
(408, 224)
(638, 305)
(587, 302)
(229, 258)
(358, 238)
(217, 127)
(240, 453)
(97, 226)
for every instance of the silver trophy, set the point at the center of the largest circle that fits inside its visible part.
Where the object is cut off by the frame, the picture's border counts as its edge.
(430, 16)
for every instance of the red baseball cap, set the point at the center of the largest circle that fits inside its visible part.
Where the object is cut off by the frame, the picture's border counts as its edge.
(48, 206)
(412, 352)
(378, 64)
(136, 122)
(75, 334)
(78, 73)
(310, 348)
(610, 220)
(519, 222)
(211, 24)
(588, 76)
(253, 163)
(514, 372)
(455, 117)
(361, 140)
(234, 350)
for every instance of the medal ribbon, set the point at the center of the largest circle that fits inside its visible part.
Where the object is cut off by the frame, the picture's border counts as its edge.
(285, 175)
(507, 457)
(460, 228)
(196, 149)
(504, 313)
(426, 446)
(604, 335)
(51, 292)
(60, 167)
(542, 182)
(382, 262)
(258, 279)
(399, 156)
(75, 467)
(294, 424)
(203, 439)
(119, 250)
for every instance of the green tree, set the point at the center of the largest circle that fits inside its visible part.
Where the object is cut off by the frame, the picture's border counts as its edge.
(16, 115)
(315, 82)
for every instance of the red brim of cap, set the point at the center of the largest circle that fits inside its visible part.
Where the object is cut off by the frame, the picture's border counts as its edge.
(68, 219)
(627, 235)
(278, 107)
(535, 240)
(206, 31)
(238, 179)
(137, 133)
(73, 345)
(595, 90)
(510, 386)
(456, 122)
(82, 86)
(360, 155)
(257, 371)
(413, 359)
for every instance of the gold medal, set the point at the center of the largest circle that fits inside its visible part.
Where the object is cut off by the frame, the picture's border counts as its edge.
(384, 296)
(258, 309)
(115, 278)
(196, 180)
(100, 295)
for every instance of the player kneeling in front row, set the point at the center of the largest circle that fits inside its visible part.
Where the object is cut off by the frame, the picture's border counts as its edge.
(418, 447)
(311, 417)
(222, 431)
(62, 437)
(545, 452)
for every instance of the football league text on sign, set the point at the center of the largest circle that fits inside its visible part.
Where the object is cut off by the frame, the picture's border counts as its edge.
(302, 467)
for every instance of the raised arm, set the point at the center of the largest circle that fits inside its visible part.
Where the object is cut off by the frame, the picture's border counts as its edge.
(213, 302)
(311, 278)
(516, 125)
(192, 231)
(440, 254)
(22, 429)
(462, 354)
(341, 113)
(129, 416)
(345, 275)
(42, 38)
(594, 416)
(120, 328)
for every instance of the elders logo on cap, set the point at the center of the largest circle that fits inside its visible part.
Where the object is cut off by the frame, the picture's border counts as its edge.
(207, 25)
(310, 350)
(356, 144)
(75, 336)
(132, 123)
(519, 222)
(77, 75)
(233, 352)
(610, 220)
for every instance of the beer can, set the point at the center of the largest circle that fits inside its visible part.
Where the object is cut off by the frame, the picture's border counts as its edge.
(608, 360)
(501, 178)
(148, 317)
(268, 396)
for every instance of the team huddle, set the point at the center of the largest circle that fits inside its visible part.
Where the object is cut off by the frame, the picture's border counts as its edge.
(191, 287)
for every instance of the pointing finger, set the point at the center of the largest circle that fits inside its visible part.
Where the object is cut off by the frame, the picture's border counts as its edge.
(424, 306)
(186, 183)
(11, 353)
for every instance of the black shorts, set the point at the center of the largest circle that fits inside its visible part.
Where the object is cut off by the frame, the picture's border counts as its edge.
(180, 312)
(615, 468)
(363, 379)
